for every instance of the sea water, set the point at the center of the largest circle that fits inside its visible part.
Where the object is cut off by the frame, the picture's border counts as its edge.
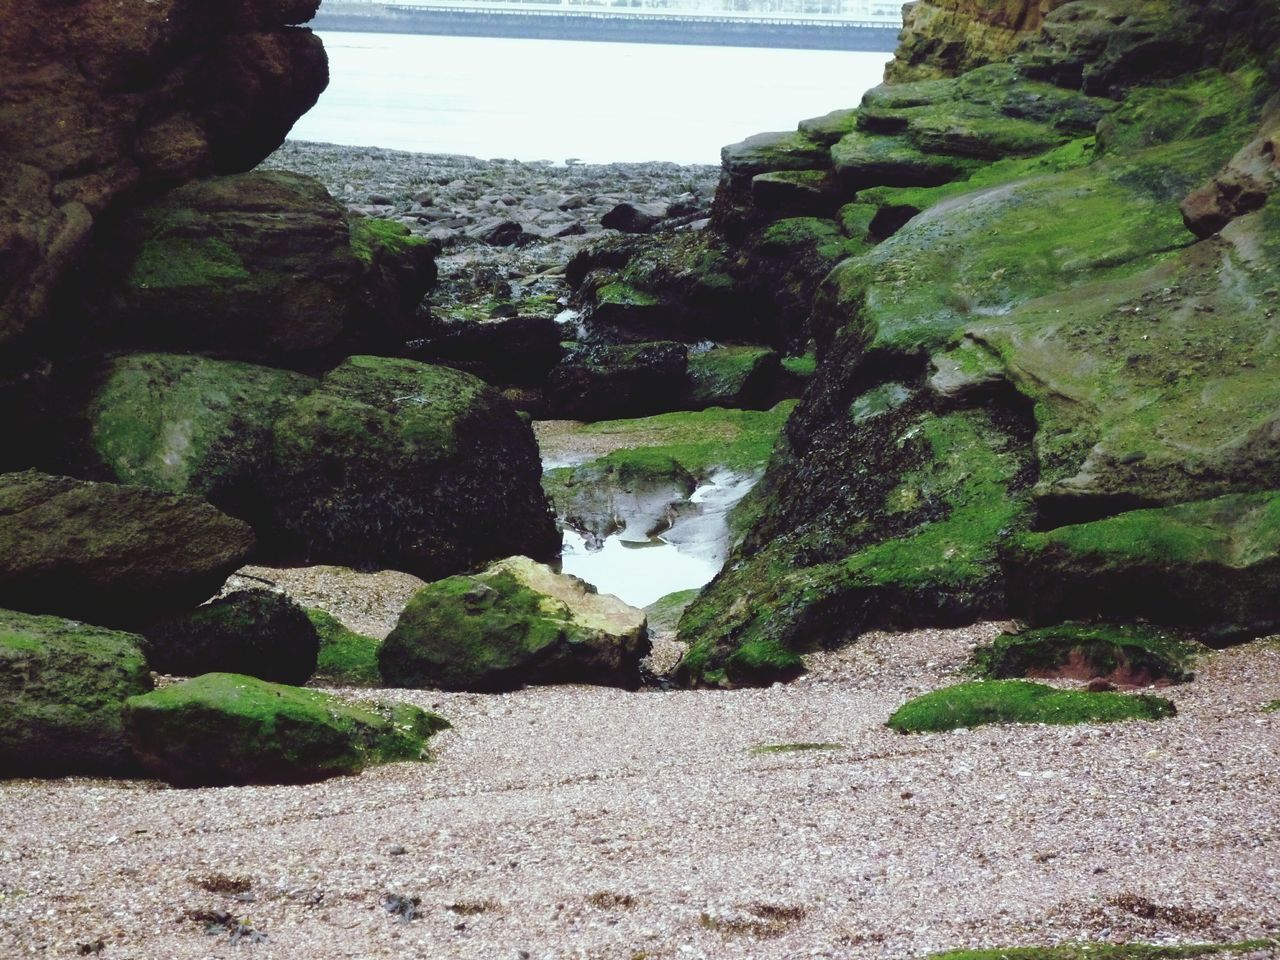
(563, 99)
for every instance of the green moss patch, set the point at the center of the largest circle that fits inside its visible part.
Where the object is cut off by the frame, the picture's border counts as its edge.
(369, 236)
(1018, 701)
(166, 262)
(1126, 653)
(346, 658)
(664, 613)
(223, 728)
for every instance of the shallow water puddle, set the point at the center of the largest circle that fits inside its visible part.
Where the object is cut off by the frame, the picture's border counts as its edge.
(639, 569)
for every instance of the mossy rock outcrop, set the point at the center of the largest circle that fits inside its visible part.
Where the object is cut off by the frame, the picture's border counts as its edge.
(517, 623)
(188, 424)
(255, 632)
(395, 463)
(1212, 565)
(1128, 654)
(63, 685)
(108, 553)
(263, 266)
(612, 382)
(1018, 701)
(346, 658)
(226, 729)
(739, 377)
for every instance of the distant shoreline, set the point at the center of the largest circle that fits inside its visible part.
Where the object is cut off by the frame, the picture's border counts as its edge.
(611, 28)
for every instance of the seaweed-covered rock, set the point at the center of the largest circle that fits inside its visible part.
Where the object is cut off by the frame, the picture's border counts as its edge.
(1212, 565)
(1128, 654)
(1018, 701)
(395, 463)
(346, 658)
(263, 267)
(740, 377)
(63, 685)
(518, 622)
(108, 553)
(187, 424)
(226, 729)
(255, 632)
(613, 382)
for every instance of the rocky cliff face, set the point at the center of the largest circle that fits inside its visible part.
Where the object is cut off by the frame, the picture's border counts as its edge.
(101, 101)
(1044, 381)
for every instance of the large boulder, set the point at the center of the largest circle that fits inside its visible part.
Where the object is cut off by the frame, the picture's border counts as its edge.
(63, 685)
(100, 106)
(263, 266)
(1212, 565)
(108, 553)
(187, 424)
(226, 729)
(394, 463)
(501, 350)
(255, 632)
(518, 622)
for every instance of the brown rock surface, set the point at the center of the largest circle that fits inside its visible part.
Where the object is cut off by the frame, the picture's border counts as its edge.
(100, 100)
(1244, 183)
(947, 37)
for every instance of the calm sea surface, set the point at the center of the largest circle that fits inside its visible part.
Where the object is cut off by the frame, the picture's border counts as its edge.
(557, 99)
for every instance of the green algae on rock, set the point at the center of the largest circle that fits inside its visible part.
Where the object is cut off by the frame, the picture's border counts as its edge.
(109, 553)
(1212, 565)
(738, 377)
(264, 266)
(63, 685)
(1019, 701)
(226, 729)
(518, 622)
(346, 658)
(256, 632)
(1130, 654)
(187, 424)
(399, 464)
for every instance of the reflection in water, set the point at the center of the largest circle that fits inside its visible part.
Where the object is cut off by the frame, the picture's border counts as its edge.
(640, 570)
(636, 573)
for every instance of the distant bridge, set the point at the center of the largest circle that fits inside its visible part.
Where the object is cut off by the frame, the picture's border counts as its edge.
(627, 25)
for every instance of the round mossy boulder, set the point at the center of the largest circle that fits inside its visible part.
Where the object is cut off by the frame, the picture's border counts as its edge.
(1019, 701)
(188, 424)
(111, 554)
(518, 622)
(62, 687)
(223, 729)
(395, 463)
(260, 633)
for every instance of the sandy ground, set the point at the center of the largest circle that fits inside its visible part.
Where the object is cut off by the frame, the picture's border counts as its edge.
(584, 822)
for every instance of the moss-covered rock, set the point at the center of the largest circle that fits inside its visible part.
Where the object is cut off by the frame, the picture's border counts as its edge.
(256, 632)
(226, 729)
(109, 553)
(1155, 388)
(346, 658)
(739, 377)
(263, 266)
(1018, 701)
(899, 521)
(63, 685)
(611, 382)
(1128, 654)
(398, 464)
(1212, 565)
(636, 497)
(186, 424)
(516, 623)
